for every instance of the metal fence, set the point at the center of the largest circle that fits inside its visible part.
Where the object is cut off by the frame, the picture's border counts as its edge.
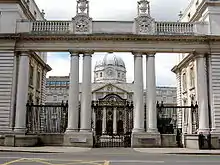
(46, 118)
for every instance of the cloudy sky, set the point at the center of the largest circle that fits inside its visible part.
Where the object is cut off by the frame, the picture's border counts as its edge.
(163, 10)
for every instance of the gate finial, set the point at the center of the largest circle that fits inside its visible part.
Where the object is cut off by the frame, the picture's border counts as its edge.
(143, 7)
(82, 7)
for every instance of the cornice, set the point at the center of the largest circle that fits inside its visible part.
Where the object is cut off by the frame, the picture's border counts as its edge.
(109, 37)
(39, 60)
(112, 37)
(184, 62)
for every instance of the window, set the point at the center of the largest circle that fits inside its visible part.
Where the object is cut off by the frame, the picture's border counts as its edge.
(119, 75)
(192, 77)
(54, 98)
(31, 74)
(38, 80)
(101, 74)
(184, 82)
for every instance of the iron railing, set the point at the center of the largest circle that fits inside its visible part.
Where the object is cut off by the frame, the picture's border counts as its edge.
(46, 118)
(167, 117)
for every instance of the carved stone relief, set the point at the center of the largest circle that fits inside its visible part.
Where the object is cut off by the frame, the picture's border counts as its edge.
(145, 25)
(82, 24)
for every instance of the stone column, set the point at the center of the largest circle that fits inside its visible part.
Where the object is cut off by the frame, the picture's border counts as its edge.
(151, 94)
(73, 109)
(115, 120)
(138, 94)
(104, 120)
(202, 94)
(22, 93)
(86, 94)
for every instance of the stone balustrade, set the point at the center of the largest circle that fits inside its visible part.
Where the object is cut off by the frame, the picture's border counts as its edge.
(172, 28)
(63, 27)
(51, 26)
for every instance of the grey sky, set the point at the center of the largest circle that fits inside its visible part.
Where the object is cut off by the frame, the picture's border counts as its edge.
(161, 10)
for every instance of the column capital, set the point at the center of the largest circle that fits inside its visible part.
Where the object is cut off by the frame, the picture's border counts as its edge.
(150, 54)
(88, 53)
(74, 53)
(137, 53)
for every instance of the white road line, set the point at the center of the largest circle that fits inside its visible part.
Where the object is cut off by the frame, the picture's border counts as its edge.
(136, 161)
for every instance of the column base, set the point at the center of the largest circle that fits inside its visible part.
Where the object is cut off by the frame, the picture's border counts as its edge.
(152, 130)
(21, 140)
(20, 130)
(136, 130)
(79, 139)
(145, 140)
(204, 131)
(69, 131)
(192, 142)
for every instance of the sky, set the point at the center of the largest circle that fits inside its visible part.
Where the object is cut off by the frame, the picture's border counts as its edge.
(161, 10)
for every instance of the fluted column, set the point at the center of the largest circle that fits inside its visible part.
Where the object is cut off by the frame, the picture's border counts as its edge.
(115, 120)
(22, 93)
(151, 94)
(73, 109)
(86, 93)
(138, 94)
(202, 94)
(104, 120)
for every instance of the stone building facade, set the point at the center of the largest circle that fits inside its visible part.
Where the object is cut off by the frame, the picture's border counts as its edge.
(190, 78)
(11, 62)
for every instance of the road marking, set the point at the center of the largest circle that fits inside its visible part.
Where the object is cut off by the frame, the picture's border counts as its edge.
(13, 161)
(106, 162)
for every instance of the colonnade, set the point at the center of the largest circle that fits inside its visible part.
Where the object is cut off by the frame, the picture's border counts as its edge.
(138, 95)
(23, 83)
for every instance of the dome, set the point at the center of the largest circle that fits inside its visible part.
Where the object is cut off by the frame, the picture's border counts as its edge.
(110, 59)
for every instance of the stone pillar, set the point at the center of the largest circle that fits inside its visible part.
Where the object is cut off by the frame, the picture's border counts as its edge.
(22, 93)
(104, 120)
(86, 94)
(151, 94)
(115, 120)
(73, 109)
(202, 94)
(138, 94)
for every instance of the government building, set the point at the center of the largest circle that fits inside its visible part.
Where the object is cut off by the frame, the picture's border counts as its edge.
(109, 80)
(105, 110)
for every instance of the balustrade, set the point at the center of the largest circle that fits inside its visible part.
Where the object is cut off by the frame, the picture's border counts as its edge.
(172, 28)
(51, 26)
(161, 28)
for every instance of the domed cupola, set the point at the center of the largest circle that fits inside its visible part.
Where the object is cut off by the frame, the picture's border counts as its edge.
(110, 68)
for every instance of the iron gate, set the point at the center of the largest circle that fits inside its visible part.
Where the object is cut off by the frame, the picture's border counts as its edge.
(113, 121)
(46, 118)
(167, 119)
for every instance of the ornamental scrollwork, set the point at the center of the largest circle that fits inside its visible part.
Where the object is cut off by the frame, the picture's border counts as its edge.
(145, 25)
(82, 24)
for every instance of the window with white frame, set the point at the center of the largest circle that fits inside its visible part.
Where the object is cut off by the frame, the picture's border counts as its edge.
(184, 82)
(192, 77)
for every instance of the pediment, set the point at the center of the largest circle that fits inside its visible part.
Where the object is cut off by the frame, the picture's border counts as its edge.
(110, 88)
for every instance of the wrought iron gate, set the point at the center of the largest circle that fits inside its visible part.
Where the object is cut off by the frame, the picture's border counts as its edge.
(113, 121)
(167, 119)
(46, 118)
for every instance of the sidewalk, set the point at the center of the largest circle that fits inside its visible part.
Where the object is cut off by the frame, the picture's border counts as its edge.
(49, 149)
(45, 149)
(177, 151)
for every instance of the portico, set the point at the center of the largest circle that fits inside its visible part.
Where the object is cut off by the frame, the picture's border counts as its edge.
(141, 37)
